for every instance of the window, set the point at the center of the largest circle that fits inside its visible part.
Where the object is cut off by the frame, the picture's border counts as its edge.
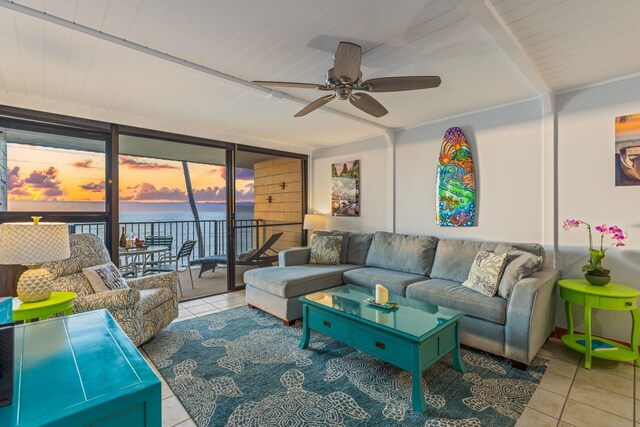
(41, 172)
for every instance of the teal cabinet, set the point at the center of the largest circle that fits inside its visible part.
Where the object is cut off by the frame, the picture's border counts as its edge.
(81, 370)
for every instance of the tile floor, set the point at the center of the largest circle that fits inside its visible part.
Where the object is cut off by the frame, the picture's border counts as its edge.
(568, 395)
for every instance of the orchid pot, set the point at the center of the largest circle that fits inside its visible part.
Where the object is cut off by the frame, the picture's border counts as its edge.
(594, 272)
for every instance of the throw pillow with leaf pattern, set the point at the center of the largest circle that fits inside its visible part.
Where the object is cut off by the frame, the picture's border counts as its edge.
(326, 250)
(486, 272)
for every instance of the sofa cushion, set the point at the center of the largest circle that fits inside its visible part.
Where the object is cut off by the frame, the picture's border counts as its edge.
(345, 242)
(358, 248)
(486, 272)
(400, 252)
(105, 277)
(296, 280)
(453, 295)
(151, 298)
(395, 281)
(520, 265)
(326, 250)
(454, 257)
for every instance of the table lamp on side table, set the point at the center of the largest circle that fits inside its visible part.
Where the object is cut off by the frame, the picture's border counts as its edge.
(32, 244)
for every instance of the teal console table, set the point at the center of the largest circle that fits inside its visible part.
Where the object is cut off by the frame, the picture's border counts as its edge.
(413, 337)
(80, 370)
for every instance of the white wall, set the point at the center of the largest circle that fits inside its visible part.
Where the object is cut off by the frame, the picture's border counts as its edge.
(375, 192)
(513, 149)
(506, 147)
(586, 189)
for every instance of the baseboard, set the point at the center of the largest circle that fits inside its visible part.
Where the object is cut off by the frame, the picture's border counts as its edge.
(559, 331)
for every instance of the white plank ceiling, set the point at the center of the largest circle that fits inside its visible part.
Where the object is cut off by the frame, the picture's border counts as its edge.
(53, 68)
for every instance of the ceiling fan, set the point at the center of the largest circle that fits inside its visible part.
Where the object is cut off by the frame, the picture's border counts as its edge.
(345, 78)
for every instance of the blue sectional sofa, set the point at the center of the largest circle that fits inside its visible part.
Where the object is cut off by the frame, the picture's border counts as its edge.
(426, 269)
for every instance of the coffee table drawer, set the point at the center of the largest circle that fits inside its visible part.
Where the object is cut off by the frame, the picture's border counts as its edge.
(383, 346)
(329, 325)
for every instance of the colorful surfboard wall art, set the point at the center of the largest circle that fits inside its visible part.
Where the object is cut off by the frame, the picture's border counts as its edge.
(456, 182)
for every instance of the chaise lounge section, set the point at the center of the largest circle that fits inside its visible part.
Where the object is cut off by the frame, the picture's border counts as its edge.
(426, 269)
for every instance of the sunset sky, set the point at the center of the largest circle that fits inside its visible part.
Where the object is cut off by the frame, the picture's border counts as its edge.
(628, 130)
(51, 174)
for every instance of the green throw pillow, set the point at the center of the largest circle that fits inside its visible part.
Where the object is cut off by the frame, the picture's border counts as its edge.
(486, 272)
(326, 250)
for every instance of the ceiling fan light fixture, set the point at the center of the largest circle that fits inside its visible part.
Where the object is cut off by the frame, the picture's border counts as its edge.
(346, 77)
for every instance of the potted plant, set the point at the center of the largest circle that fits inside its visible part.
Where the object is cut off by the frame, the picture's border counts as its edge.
(594, 272)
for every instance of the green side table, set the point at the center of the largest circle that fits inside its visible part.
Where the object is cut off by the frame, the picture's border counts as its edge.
(58, 302)
(610, 297)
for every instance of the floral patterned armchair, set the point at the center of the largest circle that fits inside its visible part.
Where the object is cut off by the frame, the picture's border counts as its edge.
(150, 304)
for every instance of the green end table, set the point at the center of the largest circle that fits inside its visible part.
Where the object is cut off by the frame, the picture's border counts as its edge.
(610, 297)
(58, 302)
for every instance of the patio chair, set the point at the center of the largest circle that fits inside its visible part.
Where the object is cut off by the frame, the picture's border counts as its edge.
(259, 258)
(172, 263)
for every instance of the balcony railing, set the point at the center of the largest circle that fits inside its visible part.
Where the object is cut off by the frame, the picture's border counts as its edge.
(249, 234)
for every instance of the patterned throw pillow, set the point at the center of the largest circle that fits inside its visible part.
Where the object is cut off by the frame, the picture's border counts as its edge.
(325, 250)
(105, 277)
(486, 272)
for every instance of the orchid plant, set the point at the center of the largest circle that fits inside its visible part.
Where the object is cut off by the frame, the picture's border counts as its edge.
(615, 233)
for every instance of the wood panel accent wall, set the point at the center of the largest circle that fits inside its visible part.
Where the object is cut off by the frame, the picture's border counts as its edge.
(286, 204)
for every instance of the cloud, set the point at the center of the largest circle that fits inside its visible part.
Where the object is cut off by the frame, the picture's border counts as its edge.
(84, 164)
(95, 187)
(133, 163)
(241, 173)
(43, 179)
(149, 192)
(210, 194)
(20, 192)
(14, 179)
(53, 192)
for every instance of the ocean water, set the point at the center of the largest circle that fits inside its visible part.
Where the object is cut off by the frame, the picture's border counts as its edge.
(140, 212)
(158, 212)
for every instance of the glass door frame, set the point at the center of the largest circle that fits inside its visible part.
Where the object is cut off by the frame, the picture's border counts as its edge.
(232, 228)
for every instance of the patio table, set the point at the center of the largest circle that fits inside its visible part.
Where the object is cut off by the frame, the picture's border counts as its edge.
(139, 256)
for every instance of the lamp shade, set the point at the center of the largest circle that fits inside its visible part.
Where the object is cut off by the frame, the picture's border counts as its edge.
(313, 222)
(28, 243)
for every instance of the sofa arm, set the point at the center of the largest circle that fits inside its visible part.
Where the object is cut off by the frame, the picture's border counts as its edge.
(294, 256)
(530, 315)
(163, 280)
(119, 299)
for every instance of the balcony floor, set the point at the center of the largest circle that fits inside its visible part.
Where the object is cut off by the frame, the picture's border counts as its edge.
(211, 283)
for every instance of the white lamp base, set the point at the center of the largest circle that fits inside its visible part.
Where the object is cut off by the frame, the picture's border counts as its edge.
(34, 284)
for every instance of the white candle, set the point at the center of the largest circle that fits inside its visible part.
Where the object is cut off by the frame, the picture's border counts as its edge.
(382, 295)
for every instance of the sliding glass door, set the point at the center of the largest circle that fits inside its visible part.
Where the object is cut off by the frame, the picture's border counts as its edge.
(268, 208)
(174, 193)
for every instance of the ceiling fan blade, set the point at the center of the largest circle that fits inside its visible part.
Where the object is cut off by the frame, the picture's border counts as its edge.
(368, 104)
(396, 84)
(291, 84)
(347, 61)
(314, 105)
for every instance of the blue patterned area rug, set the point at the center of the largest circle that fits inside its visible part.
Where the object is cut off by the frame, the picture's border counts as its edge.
(243, 367)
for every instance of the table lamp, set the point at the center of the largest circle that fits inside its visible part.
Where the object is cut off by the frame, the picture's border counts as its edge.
(32, 244)
(313, 222)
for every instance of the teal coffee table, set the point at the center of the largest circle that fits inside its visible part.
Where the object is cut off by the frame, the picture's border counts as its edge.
(412, 337)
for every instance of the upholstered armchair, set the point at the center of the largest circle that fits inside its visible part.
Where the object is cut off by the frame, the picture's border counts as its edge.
(150, 303)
